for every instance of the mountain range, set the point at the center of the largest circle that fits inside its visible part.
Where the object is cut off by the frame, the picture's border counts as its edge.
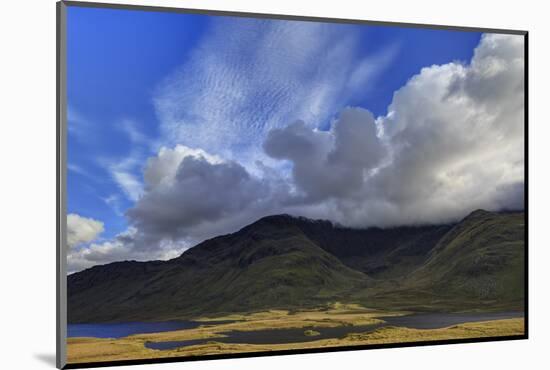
(290, 262)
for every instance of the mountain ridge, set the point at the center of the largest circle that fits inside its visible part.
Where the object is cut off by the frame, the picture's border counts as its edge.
(282, 261)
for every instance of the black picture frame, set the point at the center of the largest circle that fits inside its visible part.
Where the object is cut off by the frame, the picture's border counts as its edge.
(61, 168)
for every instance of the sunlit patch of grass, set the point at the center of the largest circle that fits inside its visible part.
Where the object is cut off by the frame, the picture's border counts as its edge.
(311, 333)
(133, 347)
(493, 328)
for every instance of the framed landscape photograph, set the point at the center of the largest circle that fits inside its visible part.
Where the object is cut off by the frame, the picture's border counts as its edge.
(235, 184)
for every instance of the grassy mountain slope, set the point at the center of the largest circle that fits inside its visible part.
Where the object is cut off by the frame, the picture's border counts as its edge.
(269, 264)
(288, 262)
(482, 257)
(478, 264)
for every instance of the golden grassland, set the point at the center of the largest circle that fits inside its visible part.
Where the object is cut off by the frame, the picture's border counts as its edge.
(132, 347)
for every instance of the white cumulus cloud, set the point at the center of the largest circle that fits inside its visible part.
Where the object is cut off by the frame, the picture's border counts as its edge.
(82, 230)
(187, 189)
(453, 141)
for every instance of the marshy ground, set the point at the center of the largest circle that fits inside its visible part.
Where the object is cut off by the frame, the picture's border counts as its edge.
(336, 315)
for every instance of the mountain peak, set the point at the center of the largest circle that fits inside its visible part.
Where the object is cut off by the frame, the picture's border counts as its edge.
(283, 219)
(272, 221)
(478, 213)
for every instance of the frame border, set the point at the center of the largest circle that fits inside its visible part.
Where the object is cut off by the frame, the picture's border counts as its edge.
(61, 156)
(61, 186)
(166, 9)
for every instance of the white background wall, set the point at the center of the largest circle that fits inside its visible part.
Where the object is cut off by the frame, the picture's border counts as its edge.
(27, 185)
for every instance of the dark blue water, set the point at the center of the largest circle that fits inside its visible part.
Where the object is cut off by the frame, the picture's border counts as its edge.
(276, 336)
(444, 320)
(119, 330)
(269, 336)
(280, 336)
(161, 346)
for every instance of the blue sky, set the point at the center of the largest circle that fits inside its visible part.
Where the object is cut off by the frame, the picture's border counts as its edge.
(117, 58)
(142, 81)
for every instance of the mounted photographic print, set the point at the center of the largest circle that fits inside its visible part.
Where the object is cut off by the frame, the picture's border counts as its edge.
(234, 184)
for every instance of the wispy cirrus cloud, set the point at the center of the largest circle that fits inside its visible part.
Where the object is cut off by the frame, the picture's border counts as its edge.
(249, 76)
(126, 173)
(133, 132)
(78, 170)
(114, 202)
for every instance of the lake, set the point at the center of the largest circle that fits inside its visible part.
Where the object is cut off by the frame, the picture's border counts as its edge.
(119, 330)
(280, 336)
(276, 336)
(443, 320)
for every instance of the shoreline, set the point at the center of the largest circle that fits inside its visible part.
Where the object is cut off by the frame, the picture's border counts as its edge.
(81, 349)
